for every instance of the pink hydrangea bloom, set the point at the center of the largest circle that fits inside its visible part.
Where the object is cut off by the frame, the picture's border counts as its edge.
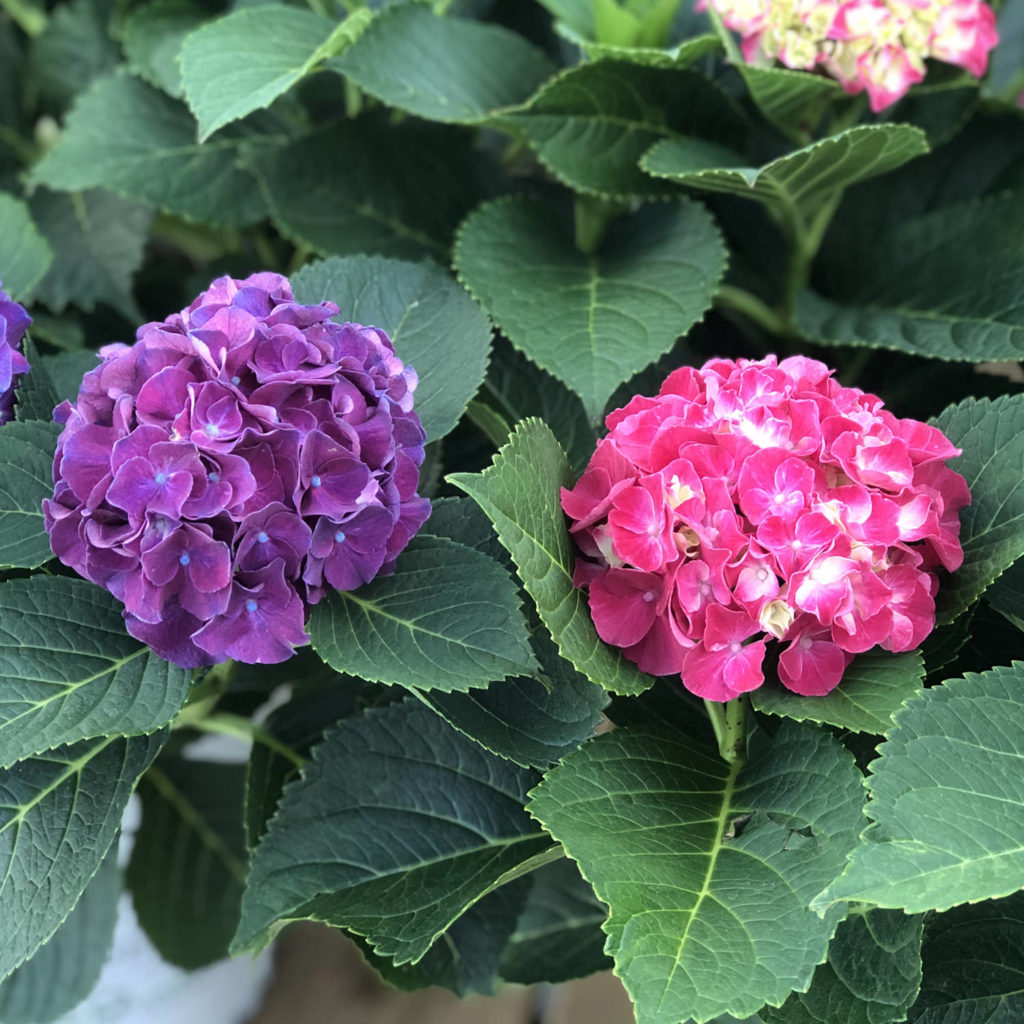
(752, 502)
(878, 46)
(239, 461)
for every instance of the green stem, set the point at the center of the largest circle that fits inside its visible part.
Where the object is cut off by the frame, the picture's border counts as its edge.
(23, 149)
(593, 218)
(490, 423)
(804, 241)
(353, 99)
(226, 724)
(29, 18)
(741, 301)
(729, 720)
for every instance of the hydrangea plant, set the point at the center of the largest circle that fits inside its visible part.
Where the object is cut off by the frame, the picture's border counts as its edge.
(572, 447)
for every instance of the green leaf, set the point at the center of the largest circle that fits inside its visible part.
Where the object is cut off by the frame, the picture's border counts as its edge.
(991, 435)
(872, 974)
(577, 14)
(974, 965)
(520, 494)
(448, 619)
(1006, 595)
(947, 805)
(36, 396)
(400, 190)
(97, 239)
(443, 69)
(24, 253)
(59, 813)
(66, 370)
(152, 37)
(397, 826)
(188, 864)
(940, 287)
(592, 321)
(65, 970)
(679, 56)
(299, 725)
(707, 870)
(518, 389)
(71, 672)
(797, 184)
(128, 137)
(26, 478)
(243, 61)
(793, 101)
(874, 687)
(463, 521)
(432, 322)
(558, 935)
(591, 125)
(533, 721)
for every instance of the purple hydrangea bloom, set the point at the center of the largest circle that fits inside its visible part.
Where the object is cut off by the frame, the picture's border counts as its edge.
(13, 321)
(238, 462)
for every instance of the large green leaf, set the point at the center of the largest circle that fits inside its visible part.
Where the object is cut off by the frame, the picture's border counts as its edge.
(947, 804)
(799, 183)
(367, 186)
(397, 826)
(24, 253)
(65, 970)
(592, 321)
(872, 974)
(874, 687)
(974, 965)
(36, 399)
(71, 672)
(532, 720)
(443, 69)
(792, 100)
(127, 136)
(188, 864)
(26, 477)
(152, 37)
(707, 870)
(97, 239)
(448, 619)
(991, 435)
(433, 323)
(940, 285)
(558, 935)
(520, 494)
(59, 813)
(243, 61)
(591, 125)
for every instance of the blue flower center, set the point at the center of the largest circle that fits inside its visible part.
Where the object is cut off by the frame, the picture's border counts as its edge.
(339, 537)
(212, 429)
(236, 380)
(316, 481)
(160, 478)
(215, 478)
(184, 558)
(262, 537)
(250, 605)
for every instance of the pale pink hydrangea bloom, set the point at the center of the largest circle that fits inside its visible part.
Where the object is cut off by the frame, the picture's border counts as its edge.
(751, 501)
(874, 45)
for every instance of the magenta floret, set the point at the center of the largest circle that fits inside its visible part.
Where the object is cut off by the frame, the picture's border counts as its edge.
(13, 322)
(236, 463)
(752, 501)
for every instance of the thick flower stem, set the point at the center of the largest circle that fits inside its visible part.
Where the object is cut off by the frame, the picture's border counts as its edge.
(235, 725)
(741, 301)
(804, 238)
(729, 720)
(29, 18)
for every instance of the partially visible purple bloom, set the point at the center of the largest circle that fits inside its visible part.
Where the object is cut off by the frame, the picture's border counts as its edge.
(242, 459)
(13, 321)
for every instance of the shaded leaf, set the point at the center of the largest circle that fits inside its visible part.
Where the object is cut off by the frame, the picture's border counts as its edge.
(26, 477)
(520, 494)
(448, 619)
(432, 322)
(396, 827)
(152, 38)
(36, 394)
(947, 807)
(71, 672)
(592, 321)
(707, 871)
(24, 254)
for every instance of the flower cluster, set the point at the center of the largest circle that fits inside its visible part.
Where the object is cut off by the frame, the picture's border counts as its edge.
(240, 459)
(757, 500)
(877, 45)
(13, 321)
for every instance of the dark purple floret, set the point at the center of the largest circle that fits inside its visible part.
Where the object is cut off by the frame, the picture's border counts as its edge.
(242, 459)
(13, 321)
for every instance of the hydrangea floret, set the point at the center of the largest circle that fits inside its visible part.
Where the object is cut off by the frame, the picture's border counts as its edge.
(757, 501)
(232, 466)
(875, 45)
(13, 322)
